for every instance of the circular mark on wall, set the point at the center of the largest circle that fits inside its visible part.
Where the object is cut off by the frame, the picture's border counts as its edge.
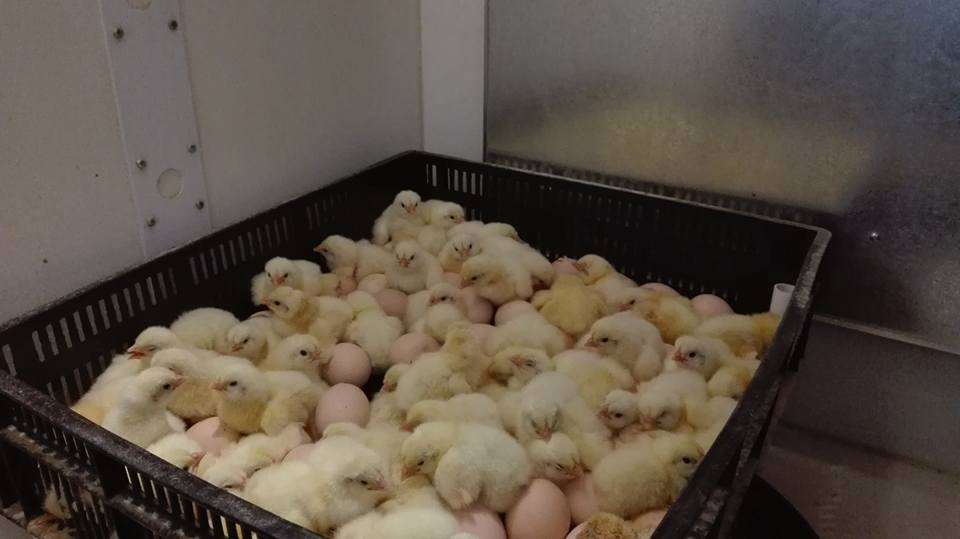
(139, 4)
(170, 183)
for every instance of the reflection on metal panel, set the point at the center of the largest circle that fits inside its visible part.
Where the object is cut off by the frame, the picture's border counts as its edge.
(846, 113)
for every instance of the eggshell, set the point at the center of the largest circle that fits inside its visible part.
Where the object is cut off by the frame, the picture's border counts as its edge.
(373, 283)
(409, 346)
(575, 533)
(347, 285)
(453, 278)
(349, 365)
(579, 354)
(661, 288)
(342, 402)
(298, 453)
(708, 305)
(481, 522)
(565, 266)
(512, 309)
(648, 521)
(541, 513)
(478, 310)
(582, 498)
(393, 302)
(211, 436)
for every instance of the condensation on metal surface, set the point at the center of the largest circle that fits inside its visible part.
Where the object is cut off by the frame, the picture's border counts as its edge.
(846, 114)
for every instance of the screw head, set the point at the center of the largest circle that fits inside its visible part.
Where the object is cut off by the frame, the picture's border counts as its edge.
(874, 235)
(200, 204)
(118, 33)
(141, 164)
(192, 148)
(151, 222)
(173, 25)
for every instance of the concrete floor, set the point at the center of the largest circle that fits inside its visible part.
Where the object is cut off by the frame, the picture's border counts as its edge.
(849, 492)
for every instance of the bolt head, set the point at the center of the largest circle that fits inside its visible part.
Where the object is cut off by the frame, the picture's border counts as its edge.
(118, 33)
(151, 222)
(192, 148)
(200, 204)
(874, 235)
(141, 164)
(173, 25)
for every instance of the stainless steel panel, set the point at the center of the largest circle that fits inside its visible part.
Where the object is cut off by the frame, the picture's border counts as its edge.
(846, 112)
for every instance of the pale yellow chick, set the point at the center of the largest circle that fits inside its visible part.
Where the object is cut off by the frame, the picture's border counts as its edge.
(570, 305)
(746, 335)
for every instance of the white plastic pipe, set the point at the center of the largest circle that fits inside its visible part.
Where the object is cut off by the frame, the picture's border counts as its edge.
(782, 292)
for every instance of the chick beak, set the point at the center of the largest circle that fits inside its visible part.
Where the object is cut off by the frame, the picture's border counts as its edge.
(591, 342)
(195, 458)
(408, 472)
(379, 485)
(458, 219)
(135, 353)
(277, 281)
(544, 434)
(406, 427)
(434, 301)
(410, 209)
(604, 413)
(404, 263)
(518, 361)
(647, 423)
(177, 382)
(318, 249)
(679, 356)
(218, 386)
(237, 347)
(389, 388)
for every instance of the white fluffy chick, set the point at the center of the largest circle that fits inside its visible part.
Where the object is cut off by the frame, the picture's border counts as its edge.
(260, 288)
(419, 302)
(731, 380)
(301, 353)
(595, 378)
(439, 319)
(629, 481)
(514, 366)
(457, 250)
(193, 400)
(401, 219)
(484, 230)
(556, 459)
(468, 463)
(684, 383)
(372, 329)
(672, 315)
(660, 410)
(178, 449)
(467, 408)
(404, 523)
(599, 274)
(253, 453)
(707, 355)
(705, 413)
(619, 410)
(529, 330)
(570, 305)
(549, 404)
(540, 269)
(253, 338)
(412, 268)
(205, 328)
(441, 218)
(746, 335)
(497, 279)
(301, 275)
(630, 340)
(384, 439)
(434, 376)
(357, 259)
(140, 416)
(152, 340)
(251, 401)
(326, 318)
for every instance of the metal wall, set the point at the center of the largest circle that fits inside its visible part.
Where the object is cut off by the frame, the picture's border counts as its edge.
(848, 112)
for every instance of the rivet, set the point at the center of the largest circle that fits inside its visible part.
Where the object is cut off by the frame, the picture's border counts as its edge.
(118, 33)
(173, 25)
(200, 204)
(141, 164)
(874, 235)
(192, 148)
(151, 222)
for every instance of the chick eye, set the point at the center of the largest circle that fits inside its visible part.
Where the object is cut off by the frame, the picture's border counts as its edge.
(303, 352)
(233, 383)
(557, 466)
(412, 257)
(285, 275)
(632, 302)
(245, 341)
(166, 387)
(692, 355)
(277, 303)
(420, 462)
(364, 482)
(618, 415)
(605, 339)
(661, 415)
(688, 460)
(529, 363)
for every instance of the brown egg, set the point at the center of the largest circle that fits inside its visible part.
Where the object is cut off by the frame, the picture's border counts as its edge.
(408, 347)
(393, 302)
(342, 403)
(211, 436)
(581, 498)
(541, 513)
(349, 365)
(481, 522)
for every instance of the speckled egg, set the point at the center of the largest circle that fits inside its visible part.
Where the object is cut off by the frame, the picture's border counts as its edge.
(481, 522)
(581, 498)
(408, 347)
(342, 403)
(708, 305)
(478, 310)
(393, 302)
(512, 309)
(541, 513)
(211, 435)
(373, 283)
(349, 365)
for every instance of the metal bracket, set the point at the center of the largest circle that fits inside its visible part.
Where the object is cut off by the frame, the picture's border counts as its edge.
(148, 62)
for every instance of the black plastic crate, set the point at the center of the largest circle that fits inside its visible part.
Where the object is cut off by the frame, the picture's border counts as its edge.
(52, 356)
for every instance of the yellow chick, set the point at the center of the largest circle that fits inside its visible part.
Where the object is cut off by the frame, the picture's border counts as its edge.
(570, 305)
(746, 335)
(674, 316)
